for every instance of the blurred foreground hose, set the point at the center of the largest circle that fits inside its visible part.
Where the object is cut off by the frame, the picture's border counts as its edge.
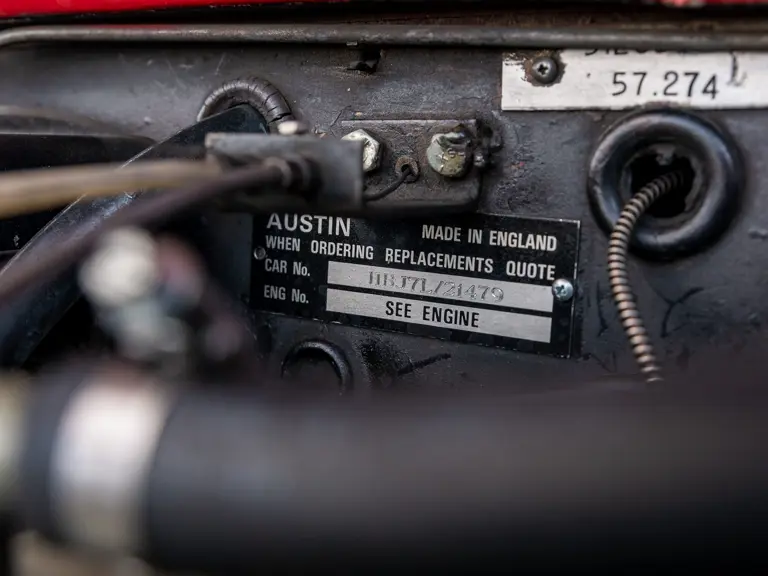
(27, 191)
(222, 481)
(12, 406)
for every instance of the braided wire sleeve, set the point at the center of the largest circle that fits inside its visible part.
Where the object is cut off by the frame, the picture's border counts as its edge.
(618, 271)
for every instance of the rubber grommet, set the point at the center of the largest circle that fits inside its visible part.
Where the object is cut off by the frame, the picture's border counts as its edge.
(716, 188)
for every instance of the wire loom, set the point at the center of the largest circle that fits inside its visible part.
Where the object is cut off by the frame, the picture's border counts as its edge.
(618, 273)
(294, 175)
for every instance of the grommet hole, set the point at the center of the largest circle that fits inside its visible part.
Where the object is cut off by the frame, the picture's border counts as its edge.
(644, 146)
(657, 161)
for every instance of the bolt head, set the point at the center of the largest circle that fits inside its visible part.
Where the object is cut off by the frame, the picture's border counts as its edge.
(122, 269)
(449, 153)
(562, 290)
(371, 149)
(544, 70)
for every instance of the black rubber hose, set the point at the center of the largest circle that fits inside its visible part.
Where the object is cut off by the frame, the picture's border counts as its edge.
(239, 486)
(26, 321)
(239, 483)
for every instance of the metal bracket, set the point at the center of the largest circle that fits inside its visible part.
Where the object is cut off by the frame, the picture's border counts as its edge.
(411, 139)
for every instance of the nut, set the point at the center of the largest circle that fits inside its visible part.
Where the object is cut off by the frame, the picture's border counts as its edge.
(371, 149)
(450, 153)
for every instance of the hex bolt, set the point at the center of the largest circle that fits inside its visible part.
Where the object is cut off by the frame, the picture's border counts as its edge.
(371, 149)
(450, 153)
(562, 290)
(544, 70)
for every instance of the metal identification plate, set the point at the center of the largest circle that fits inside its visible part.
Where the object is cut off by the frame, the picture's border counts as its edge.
(620, 79)
(474, 279)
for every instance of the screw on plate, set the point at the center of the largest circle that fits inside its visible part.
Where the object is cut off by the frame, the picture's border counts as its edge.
(544, 70)
(259, 253)
(562, 289)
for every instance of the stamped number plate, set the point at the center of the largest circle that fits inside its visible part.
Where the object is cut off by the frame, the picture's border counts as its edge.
(476, 279)
(620, 79)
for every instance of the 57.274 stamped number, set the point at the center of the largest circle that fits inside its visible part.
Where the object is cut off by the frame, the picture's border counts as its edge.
(624, 79)
(672, 84)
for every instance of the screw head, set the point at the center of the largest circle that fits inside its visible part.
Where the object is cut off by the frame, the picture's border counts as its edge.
(449, 153)
(259, 253)
(562, 290)
(371, 149)
(480, 160)
(544, 70)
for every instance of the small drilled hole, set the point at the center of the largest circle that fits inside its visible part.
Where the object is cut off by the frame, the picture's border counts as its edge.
(311, 370)
(404, 163)
(647, 167)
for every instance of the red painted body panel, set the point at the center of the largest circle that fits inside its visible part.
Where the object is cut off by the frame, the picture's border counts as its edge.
(15, 8)
(10, 8)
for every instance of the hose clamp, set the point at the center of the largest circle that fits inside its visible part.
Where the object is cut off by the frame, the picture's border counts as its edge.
(102, 456)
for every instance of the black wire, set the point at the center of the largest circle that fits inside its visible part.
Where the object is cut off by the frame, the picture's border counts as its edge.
(153, 210)
(406, 172)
